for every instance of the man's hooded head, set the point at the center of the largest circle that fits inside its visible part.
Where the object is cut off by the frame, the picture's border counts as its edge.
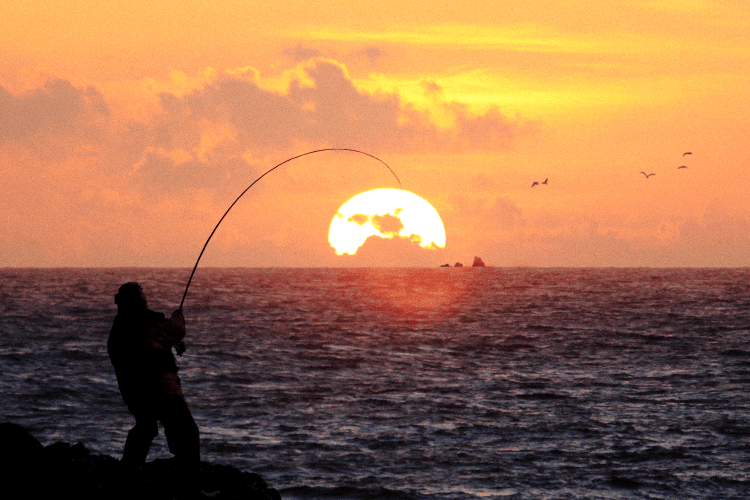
(130, 296)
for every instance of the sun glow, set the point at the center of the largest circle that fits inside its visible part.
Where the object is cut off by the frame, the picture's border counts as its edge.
(386, 213)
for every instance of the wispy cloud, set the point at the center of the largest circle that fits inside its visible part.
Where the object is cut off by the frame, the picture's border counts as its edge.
(524, 38)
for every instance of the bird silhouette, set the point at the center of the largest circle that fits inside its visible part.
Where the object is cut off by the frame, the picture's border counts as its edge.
(647, 175)
(681, 166)
(545, 181)
(686, 153)
(535, 183)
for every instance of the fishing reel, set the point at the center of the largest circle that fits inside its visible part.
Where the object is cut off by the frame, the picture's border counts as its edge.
(179, 348)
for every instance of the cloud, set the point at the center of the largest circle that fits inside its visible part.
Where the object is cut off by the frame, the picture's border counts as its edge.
(57, 107)
(484, 216)
(360, 219)
(329, 111)
(687, 6)
(103, 187)
(506, 235)
(393, 252)
(210, 133)
(719, 238)
(505, 214)
(372, 54)
(387, 224)
(488, 131)
(432, 89)
(161, 173)
(299, 53)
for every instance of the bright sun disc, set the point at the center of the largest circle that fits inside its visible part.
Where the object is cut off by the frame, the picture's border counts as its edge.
(385, 213)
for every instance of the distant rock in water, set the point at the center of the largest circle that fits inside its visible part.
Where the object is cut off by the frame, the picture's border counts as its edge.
(30, 470)
(458, 264)
(477, 262)
(445, 265)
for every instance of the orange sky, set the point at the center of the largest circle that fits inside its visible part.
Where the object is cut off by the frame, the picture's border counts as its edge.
(128, 128)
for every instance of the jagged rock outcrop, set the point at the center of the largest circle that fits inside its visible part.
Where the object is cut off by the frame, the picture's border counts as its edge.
(477, 262)
(30, 470)
(458, 264)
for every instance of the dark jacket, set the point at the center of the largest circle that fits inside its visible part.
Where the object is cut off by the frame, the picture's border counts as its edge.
(140, 348)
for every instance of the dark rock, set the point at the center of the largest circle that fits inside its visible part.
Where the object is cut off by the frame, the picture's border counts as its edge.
(20, 454)
(17, 444)
(477, 262)
(446, 265)
(59, 470)
(458, 264)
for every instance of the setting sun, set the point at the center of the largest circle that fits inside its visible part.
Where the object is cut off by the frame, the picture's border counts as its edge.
(386, 213)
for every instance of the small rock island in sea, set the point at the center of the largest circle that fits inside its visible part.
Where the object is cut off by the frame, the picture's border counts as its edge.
(477, 263)
(30, 470)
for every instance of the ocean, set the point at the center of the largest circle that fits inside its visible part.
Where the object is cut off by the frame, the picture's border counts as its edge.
(424, 384)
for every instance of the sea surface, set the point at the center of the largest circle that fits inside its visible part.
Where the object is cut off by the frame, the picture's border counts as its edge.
(425, 384)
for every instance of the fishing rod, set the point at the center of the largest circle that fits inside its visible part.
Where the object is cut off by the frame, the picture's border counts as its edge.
(259, 178)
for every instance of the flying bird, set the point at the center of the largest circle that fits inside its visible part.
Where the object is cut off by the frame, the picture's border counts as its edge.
(681, 166)
(686, 153)
(647, 175)
(545, 181)
(535, 183)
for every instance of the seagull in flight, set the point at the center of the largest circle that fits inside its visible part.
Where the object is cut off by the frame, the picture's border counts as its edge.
(647, 175)
(535, 183)
(681, 166)
(686, 153)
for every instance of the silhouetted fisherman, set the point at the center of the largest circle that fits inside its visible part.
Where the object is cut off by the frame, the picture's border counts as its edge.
(140, 348)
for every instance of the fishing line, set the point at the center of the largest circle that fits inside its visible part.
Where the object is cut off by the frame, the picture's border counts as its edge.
(259, 178)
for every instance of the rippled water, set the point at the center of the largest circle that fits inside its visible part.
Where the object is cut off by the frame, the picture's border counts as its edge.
(451, 383)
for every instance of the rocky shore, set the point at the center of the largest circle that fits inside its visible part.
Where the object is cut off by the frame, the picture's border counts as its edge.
(30, 470)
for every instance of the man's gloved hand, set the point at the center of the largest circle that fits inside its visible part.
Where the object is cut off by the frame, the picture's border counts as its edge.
(178, 317)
